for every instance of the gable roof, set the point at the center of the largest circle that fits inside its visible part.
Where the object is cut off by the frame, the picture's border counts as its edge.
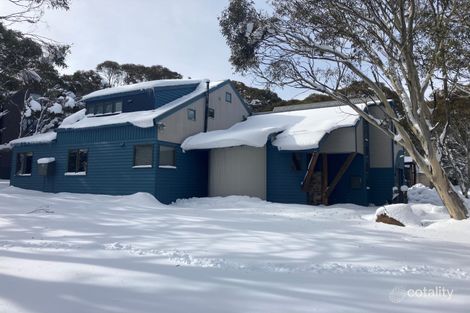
(143, 119)
(294, 130)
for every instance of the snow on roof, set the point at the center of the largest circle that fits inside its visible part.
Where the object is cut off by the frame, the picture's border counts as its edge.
(73, 118)
(143, 119)
(39, 138)
(324, 104)
(141, 86)
(296, 130)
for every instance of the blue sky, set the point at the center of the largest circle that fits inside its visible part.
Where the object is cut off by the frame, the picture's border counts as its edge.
(182, 35)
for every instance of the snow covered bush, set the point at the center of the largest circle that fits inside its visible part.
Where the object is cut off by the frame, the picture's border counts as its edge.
(41, 114)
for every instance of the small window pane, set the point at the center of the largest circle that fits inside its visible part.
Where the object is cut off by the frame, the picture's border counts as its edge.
(228, 97)
(356, 182)
(90, 109)
(211, 113)
(143, 155)
(99, 108)
(108, 107)
(83, 160)
(72, 161)
(118, 106)
(191, 114)
(167, 156)
(77, 160)
(24, 163)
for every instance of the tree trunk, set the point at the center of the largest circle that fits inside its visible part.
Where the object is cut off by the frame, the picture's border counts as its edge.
(450, 198)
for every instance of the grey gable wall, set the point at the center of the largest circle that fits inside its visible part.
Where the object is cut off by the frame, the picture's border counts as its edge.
(178, 127)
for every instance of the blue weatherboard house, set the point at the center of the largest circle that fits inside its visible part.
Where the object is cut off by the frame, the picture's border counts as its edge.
(195, 138)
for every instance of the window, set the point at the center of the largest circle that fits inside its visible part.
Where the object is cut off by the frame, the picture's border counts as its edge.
(211, 113)
(191, 114)
(99, 108)
(143, 156)
(77, 161)
(105, 108)
(108, 107)
(228, 97)
(118, 106)
(167, 156)
(356, 182)
(24, 163)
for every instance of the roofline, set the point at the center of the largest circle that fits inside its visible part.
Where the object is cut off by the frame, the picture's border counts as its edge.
(178, 82)
(247, 107)
(202, 95)
(321, 104)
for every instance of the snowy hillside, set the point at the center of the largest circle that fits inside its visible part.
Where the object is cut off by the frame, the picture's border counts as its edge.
(88, 253)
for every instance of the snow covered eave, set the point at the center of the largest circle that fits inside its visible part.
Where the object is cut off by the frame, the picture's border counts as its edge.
(35, 139)
(294, 131)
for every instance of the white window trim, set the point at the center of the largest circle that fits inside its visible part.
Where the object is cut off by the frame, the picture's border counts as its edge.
(142, 166)
(75, 174)
(167, 167)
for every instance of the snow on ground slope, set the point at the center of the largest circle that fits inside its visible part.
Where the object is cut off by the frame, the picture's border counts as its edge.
(424, 208)
(92, 253)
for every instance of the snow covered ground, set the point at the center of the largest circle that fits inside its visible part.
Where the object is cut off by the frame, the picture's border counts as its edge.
(89, 253)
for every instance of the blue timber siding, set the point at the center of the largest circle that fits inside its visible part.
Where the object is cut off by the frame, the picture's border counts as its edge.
(34, 182)
(344, 192)
(164, 95)
(110, 162)
(188, 179)
(143, 100)
(381, 182)
(283, 183)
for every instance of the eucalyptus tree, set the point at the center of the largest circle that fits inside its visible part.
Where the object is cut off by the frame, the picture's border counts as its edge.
(322, 45)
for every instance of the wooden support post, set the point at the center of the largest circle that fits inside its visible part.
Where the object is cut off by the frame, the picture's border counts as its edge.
(307, 182)
(340, 174)
(324, 185)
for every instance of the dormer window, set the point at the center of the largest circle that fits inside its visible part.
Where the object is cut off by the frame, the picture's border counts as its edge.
(107, 107)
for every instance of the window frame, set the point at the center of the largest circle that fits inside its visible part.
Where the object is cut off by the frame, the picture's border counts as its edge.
(115, 110)
(108, 105)
(228, 97)
(97, 106)
(193, 111)
(115, 106)
(22, 162)
(211, 113)
(77, 171)
(135, 153)
(168, 166)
